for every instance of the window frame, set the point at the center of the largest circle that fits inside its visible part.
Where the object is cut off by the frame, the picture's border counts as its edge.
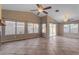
(20, 27)
(68, 28)
(71, 28)
(14, 29)
(30, 24)
(37, 31)
(44, 28)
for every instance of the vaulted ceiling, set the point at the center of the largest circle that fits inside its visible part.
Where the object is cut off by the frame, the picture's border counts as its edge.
(71, 10)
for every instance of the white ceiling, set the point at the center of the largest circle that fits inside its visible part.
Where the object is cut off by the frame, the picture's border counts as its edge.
(72, 10)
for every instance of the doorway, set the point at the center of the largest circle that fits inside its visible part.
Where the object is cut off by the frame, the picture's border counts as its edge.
(52, 29)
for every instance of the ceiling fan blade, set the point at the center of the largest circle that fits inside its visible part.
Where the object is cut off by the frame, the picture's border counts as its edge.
(47, 8)
(45, 12)
(38, 13)
(38, 5)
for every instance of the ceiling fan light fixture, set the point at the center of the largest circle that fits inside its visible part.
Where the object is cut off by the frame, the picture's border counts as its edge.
(66, 18)
(40, 9)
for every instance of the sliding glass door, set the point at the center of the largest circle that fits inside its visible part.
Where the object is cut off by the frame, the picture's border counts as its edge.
(52, 29)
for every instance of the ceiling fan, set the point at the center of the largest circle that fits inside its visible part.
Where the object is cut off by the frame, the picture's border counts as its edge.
(40, 9)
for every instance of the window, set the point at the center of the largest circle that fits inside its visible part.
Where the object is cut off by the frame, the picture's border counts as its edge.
(74, 28)
(0, 30)
(52, 29)
(33, 28)
(66, 28)
(43, 28)
(51, 26)
(36, 28)
(20, 27)
(30, 27)
(9, 28)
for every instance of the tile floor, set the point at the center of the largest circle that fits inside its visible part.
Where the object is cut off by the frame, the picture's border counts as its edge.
(42, 46)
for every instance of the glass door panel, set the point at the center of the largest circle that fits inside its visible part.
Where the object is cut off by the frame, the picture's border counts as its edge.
(52, 29)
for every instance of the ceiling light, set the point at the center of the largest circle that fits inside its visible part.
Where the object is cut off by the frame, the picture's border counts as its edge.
(66, 17)
(40, 9)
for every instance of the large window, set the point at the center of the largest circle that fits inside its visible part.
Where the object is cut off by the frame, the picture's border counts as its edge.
(30, 27)
(74, 28)
(52, 29)
(43, 28)
(36, 28)
(66, 28)
(9, 28)
(33, 28)
(71, 28)
(0, 28)
(20, 27)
